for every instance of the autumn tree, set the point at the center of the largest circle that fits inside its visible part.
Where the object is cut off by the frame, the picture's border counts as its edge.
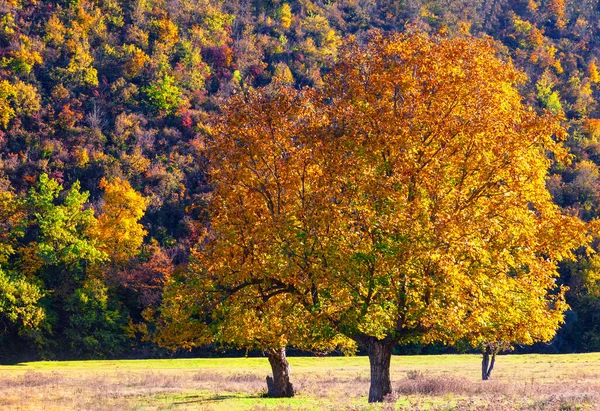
(524, 314)
(237, 291)
(65, 244)
(62, 257)
(17, 99)
(118, 232)
(557, 9)
(415, 184)
(439, 175)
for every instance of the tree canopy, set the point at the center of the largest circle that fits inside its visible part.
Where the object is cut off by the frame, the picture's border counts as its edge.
(403, 199)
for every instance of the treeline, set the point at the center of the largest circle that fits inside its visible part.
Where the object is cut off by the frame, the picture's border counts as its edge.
(105, 106)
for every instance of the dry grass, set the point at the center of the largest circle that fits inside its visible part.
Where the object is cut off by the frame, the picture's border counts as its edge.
(420, 383)
(495, 395)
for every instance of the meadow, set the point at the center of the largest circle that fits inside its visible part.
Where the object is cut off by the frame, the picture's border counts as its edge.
(447, 382)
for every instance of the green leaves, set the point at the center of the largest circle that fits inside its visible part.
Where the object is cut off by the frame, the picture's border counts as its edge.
(95, 322)
(164, 95)
(64, 236)
(20, 301)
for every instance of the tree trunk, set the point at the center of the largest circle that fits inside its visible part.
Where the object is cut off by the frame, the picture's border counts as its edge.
(486, 365)
(380, 355)
(279, 385)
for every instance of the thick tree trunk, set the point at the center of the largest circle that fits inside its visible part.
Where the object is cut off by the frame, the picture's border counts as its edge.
(487, 364)
(380, 355)
(279, 385)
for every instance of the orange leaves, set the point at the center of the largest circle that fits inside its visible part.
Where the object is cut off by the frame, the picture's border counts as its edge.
(405, 200)
(461, 171)
(135, 60)
(167, 30)
(557, 9)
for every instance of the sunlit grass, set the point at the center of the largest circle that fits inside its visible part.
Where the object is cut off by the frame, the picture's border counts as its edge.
(424, 382)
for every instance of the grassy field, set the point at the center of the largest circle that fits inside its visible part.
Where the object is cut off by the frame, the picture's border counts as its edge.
(522, 382)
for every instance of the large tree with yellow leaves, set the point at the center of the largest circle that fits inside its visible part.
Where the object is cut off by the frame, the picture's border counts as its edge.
(406, 201)
(237, 291)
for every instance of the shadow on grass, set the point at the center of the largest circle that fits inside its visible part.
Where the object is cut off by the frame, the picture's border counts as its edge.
(199, 399)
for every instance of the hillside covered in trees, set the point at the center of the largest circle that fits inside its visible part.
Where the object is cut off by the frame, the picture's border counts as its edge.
(106, 107)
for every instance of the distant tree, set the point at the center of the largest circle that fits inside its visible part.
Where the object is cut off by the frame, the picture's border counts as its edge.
(20, 307)
(547, 97)
(64, 245)
(164, 95)
(592, 72)
(7, 94)
(285, 16)
(63, 256)
(557, 10)
(118, 232)
(16, 99)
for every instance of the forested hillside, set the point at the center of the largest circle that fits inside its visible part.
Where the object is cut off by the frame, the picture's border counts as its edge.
(105, 107)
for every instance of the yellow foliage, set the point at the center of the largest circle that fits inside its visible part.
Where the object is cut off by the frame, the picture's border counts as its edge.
(522, 26)
(27, 99)
(24, 58)
(136, 59)
(558, 67)
(7, 94)
(136, 161)
(465, 27)
(558, 10)
(10, 216)
(402, 202)
(592, 72)
(168, 32)
(286, 15)
(82, 157)
(532, 5)
(585, 99)
(118, 231)
(80, 68)
(17, 99)
(591, 275)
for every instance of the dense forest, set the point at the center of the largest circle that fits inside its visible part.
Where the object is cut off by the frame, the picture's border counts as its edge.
(105, 107)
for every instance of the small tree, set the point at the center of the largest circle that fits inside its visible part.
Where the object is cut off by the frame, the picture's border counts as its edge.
(164, 95)
(521, 316)
(118, 231)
